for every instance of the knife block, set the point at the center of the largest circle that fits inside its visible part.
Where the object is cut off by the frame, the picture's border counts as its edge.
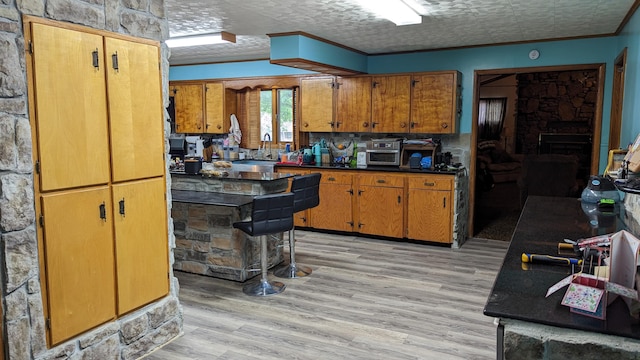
(424, 149)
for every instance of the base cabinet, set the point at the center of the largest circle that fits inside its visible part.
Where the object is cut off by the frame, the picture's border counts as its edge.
(397, 205)
(140, 225)
(335, 211)
(381, 205)
(78, 242)
(430, 208)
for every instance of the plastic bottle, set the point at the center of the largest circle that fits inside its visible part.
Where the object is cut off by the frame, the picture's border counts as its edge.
(599, 188)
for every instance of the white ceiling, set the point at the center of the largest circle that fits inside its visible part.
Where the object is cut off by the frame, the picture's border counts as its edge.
(450, 23)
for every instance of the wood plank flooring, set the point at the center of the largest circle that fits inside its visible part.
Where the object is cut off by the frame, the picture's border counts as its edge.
(366, 299)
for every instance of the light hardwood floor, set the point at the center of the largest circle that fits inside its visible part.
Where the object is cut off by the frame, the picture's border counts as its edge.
(366, 299)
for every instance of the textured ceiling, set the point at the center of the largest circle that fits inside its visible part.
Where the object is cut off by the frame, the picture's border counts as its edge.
(449, 23)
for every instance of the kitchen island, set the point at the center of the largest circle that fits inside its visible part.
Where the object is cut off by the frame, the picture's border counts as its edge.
(203, 211)
(534, 327)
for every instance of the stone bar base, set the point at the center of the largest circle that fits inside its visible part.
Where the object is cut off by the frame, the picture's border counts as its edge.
(207, 244)
(529, 341)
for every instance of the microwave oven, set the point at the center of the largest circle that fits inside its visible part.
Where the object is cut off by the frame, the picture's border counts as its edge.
(383, 152)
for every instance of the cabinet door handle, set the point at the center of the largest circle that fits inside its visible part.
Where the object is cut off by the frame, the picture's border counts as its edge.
(413, 124)
(445, 125)
(373, 124)
(399, 200)
(114, 61)
(444, 203)
(94, 56)
(331, 179)
(360, 192)
(381, 181)
(429, 184)
(121, 207)
(374, 84)
(365, 124)
(103, 212)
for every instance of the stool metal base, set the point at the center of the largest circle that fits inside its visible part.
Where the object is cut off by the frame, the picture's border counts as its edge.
(263, 288)
(292, 271)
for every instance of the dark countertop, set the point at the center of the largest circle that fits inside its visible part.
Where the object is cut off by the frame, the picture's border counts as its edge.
(370, 168)
(519, 289)
(238, 175)
(210, 198)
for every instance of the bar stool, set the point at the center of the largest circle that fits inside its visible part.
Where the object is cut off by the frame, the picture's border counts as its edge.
(306, 190)
(271, 214)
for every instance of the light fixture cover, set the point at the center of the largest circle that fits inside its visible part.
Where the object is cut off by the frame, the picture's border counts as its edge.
(397, 11)
(201, 39)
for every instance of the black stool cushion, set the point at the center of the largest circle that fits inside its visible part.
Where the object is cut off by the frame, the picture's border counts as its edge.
(271, 214)
(306, 190)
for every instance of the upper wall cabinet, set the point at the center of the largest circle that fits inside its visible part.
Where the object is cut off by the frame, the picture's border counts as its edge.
(316, 104)
(202, 107)
(418, 103)
(435, 102)
(220, 103)
(391, 96)
(353, 112)
(188, 101)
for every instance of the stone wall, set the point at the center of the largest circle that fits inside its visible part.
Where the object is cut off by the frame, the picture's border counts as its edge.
(554, 102)
(130, 336)
(529, 341)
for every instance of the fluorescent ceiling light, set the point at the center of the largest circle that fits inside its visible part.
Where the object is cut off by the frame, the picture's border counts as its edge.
(202, 39)
(396, 11)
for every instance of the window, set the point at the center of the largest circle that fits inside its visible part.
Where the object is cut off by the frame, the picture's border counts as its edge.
(277, 112)
(491, 118)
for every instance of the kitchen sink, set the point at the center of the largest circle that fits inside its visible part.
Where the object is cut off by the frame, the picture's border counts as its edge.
(253, 165)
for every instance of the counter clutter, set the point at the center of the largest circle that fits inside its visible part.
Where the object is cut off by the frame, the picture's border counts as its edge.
(519, 290)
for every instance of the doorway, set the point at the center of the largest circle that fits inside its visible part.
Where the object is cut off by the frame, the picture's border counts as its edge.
(546, 112)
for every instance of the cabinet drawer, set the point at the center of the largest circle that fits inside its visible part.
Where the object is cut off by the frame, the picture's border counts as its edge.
(382, 180)
(434, 182)
(335, 178)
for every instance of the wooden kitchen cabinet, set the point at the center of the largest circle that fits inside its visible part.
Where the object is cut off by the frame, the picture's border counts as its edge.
(430, 208)
(390, 109)
(188, 102)
(98, 132)
(203, 107)
(220, 103)
(335, 211)
(434, 102)
(140, 223)
(381, 202)
(71, 108)
(135, 110)
(353, 103)
(317, 104)
(78, 242)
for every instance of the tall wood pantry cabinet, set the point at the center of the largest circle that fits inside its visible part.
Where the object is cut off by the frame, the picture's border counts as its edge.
(98, 134)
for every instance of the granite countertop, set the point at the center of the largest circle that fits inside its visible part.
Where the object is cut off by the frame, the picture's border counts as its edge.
(238, 175)
(372, 168)
(210, 198)
(519, 289)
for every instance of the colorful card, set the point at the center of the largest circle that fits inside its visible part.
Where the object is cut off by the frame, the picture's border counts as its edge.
(583, 297)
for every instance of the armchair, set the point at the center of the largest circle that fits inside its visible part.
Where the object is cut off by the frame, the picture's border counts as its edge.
(495, 163)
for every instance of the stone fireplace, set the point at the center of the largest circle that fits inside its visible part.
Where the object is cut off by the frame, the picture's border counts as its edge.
(127, 337)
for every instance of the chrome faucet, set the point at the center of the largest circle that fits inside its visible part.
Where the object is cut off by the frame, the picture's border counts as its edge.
(264, 146)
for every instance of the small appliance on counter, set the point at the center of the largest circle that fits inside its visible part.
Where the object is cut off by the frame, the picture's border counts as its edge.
(192, 165)
(383, 152)
(177, 148)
